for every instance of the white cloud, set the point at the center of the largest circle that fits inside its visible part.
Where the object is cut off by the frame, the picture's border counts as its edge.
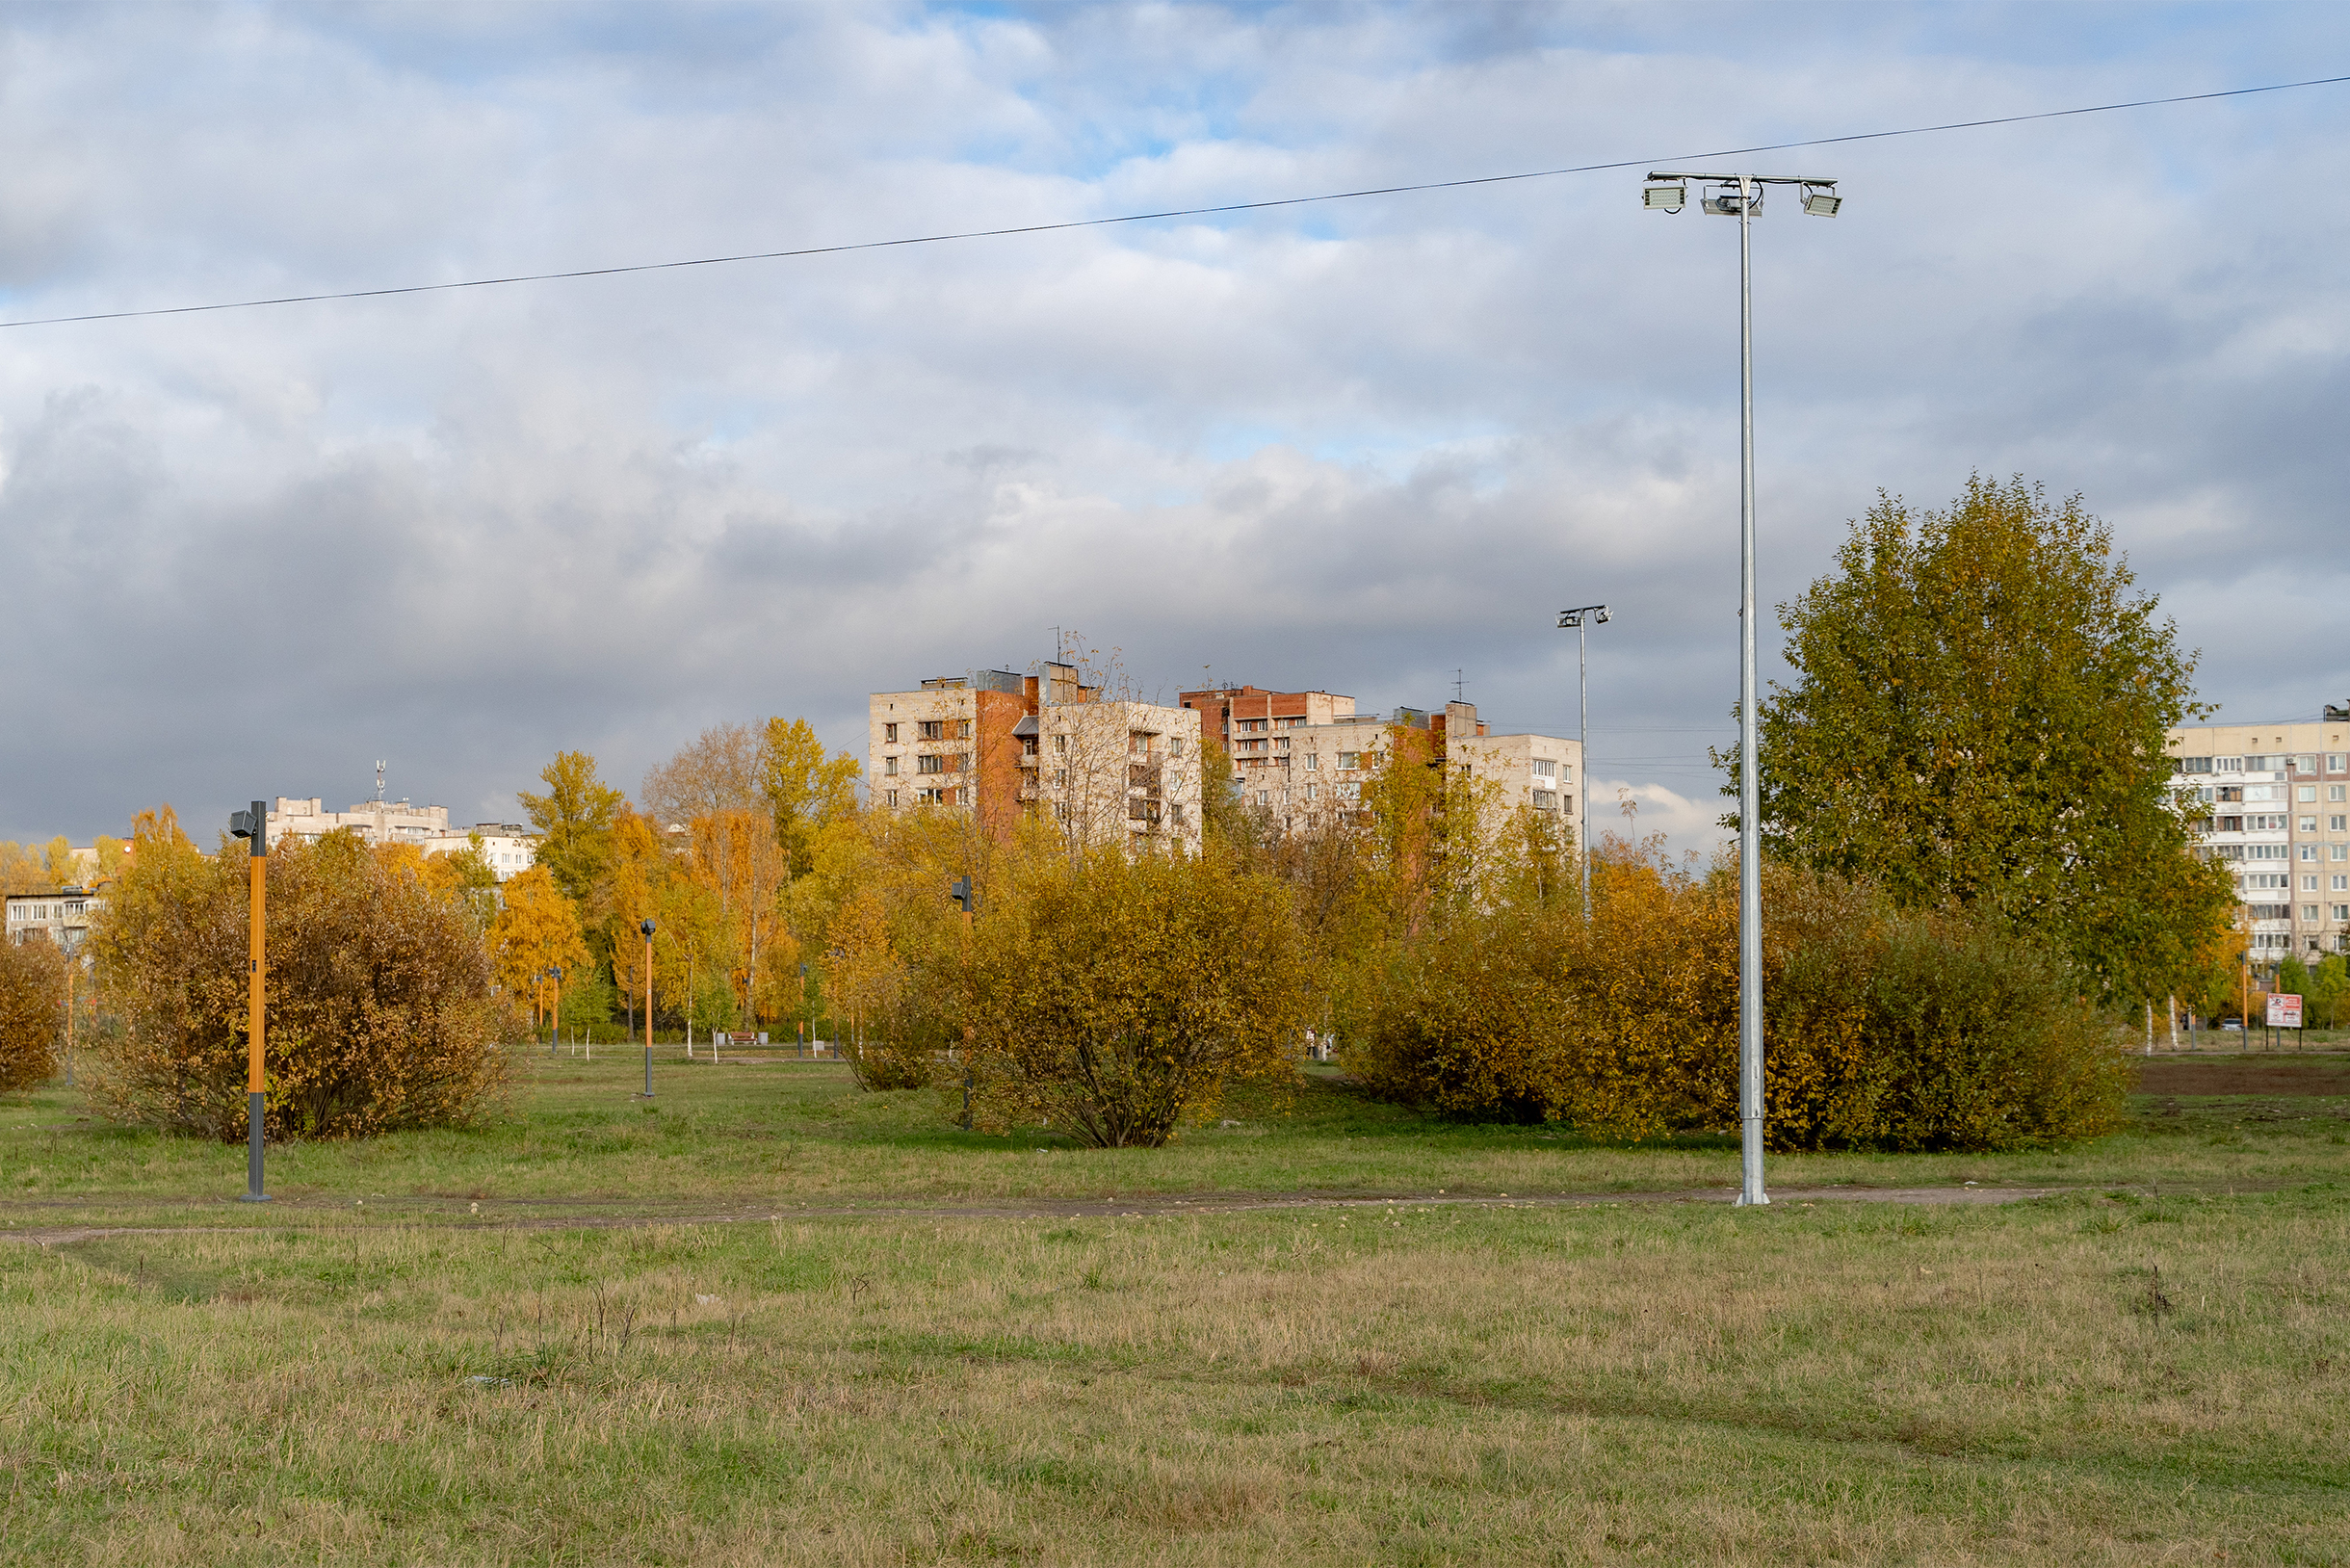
(1352, 446)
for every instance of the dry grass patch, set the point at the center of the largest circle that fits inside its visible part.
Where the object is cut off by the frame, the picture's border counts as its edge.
(1407, 1385)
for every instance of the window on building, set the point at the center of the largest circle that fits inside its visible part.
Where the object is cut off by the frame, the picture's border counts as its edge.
(1545, 767)
(2308, 824)
(2342, 912)
(2259, 764)
(2338, 823)
(2305, 792)
(1313, 760)
(1546, 800)
(2341, 884)
(889, 732)
(1310, 792)
(2338, 792)
(2309, 914)
(889, 767)
(893, 797)
(2337, 762)
(931, 729)
(930, 798)
(1350, 759)
(2308, 884)
(2305, 764)
(929, 765)
(2270, 911)
(2228, 765)
(1060, 744)
(1350, 790)
(2193, 765)
(2338, 851)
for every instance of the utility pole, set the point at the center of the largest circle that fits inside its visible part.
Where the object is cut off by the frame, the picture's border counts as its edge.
(253, 827)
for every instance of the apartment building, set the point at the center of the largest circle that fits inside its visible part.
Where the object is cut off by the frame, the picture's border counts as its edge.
(1301, 755)
(510, 848)
(1001, 745)
(62, 917)
(2272, 803)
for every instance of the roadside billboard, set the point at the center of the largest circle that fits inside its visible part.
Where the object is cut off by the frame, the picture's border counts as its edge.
(2283, 1010)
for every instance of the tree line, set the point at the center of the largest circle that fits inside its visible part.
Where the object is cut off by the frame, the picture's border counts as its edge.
(1974, 865)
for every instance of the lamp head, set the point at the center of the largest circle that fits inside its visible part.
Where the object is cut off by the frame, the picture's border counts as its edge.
(1569, 620)
(1600, 615)
(1728, 200)
(1665, 197)
(1821, 200)
(648, 928)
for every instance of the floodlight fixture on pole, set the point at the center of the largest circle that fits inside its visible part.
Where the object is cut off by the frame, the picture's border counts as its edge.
(1574, 620)
(253, 827)
(1741, 196)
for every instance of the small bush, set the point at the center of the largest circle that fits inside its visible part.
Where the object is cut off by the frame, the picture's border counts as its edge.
(1881, 1031)
(379, 1008)
(1117, 999)
(32, 1012)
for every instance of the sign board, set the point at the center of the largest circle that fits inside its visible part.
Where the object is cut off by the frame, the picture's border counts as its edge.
(2283, 1010)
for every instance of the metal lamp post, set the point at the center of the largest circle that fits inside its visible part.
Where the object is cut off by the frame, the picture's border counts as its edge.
(1741, 196)
(1574, 620)
(648, 930)
(253, 827)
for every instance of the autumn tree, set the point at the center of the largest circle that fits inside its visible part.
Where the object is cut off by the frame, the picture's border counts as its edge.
(32, 1012)
(575, 820)
(866, 975)
(1978, 717)
(718, 772)
(804, 790)
(538, 929)
(20, 869)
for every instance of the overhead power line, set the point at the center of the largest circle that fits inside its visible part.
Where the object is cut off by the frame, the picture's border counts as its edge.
(1222, 209)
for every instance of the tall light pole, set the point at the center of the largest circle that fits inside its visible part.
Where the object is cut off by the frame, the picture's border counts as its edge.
(1741, 196)
(1572, 619)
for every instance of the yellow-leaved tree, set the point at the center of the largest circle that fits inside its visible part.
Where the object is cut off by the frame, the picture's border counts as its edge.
(537, 931)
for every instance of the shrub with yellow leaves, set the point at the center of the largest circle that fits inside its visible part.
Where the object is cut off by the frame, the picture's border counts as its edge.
(378, 989)
(1882, 1028)
(1116, 996)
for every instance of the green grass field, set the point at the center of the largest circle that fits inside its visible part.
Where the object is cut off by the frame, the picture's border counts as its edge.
(767, 1319)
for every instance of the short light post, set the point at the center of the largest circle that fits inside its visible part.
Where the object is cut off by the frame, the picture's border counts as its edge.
(1574, 620)
(1741, 196)
(648, 930)
(554, 1013)
(253, 827)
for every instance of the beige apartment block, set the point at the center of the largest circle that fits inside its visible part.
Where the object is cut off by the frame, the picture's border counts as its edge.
(61, 918)
(1321, 767)
(1002, 745)
(2272, 803)
(509, 847)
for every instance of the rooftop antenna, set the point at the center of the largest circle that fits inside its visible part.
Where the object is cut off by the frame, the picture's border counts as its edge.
(1459, 681)
(379, 781)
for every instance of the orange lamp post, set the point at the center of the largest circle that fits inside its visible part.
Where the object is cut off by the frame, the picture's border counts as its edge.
(254, 827)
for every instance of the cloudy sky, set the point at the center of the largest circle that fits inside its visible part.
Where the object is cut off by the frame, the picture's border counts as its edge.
(1358, 445)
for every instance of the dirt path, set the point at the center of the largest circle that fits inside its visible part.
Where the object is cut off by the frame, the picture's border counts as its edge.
(515, 1215)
